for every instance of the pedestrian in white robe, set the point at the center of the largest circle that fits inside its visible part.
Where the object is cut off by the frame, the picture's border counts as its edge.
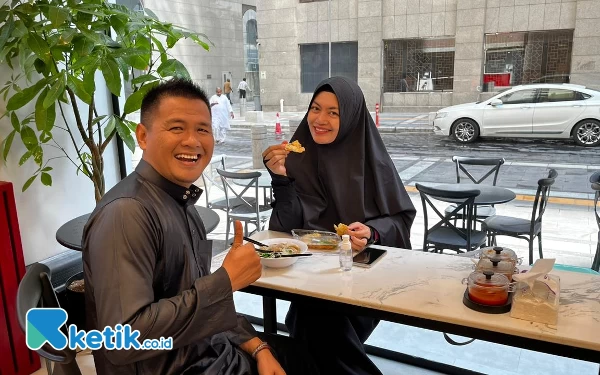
(220, 108)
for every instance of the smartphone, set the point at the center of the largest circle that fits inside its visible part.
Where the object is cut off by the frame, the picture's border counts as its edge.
(368, 257)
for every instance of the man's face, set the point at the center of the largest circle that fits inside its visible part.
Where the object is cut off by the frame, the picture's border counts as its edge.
(219, 92)
(179, 142)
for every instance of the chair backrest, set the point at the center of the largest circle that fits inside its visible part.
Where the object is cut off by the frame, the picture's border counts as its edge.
(541, 197)
(233, 182)
(208, 175)
(35, 290)
(464, 208)
(466, 164)
(595, 180)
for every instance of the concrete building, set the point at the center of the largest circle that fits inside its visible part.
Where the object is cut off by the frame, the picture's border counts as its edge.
(421, 55)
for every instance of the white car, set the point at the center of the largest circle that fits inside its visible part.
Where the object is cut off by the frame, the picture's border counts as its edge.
(533, 111)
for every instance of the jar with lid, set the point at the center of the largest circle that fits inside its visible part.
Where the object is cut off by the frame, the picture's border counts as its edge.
(502, 252)
(488, 288)
(497, 265)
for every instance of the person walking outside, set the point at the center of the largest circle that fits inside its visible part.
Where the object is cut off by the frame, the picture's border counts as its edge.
(220, 108)
(243, 87)
(227, 90)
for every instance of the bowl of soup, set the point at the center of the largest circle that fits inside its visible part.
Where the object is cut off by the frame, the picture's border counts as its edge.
(284, 246)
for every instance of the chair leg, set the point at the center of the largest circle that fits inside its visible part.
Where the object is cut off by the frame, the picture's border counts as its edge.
(227, 232)
(530, 251)
(540, 245)
(596, 262)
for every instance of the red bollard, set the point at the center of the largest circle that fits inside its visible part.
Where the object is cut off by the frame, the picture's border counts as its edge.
(377, 114)
(277, 125)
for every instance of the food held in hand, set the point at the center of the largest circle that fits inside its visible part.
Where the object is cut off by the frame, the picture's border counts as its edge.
(340, 229)
(295, 147)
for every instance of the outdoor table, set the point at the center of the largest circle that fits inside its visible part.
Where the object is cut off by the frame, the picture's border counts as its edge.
(424, 290)
(488, 194)
(70, 234)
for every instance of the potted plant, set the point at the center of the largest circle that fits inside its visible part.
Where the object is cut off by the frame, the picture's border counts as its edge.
(55, 48)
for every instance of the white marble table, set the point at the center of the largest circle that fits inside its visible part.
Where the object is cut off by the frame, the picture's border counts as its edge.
(424, 290)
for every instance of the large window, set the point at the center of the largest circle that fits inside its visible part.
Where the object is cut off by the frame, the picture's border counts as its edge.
(418, 65)
(527, 57)
(315, 62)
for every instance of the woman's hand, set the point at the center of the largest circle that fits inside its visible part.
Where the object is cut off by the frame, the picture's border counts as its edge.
(274, 157)
(267, 364)
(359, 235)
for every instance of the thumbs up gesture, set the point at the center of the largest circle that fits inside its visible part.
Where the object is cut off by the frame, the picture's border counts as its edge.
(241, 263)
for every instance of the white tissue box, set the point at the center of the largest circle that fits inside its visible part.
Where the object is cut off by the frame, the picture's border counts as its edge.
(540, 304)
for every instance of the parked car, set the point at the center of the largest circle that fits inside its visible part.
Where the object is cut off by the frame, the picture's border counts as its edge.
(532, 111)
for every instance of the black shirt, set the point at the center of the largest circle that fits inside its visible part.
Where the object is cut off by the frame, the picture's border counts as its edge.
(147, 264)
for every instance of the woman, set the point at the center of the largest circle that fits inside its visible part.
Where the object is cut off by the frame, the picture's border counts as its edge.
(344, 176)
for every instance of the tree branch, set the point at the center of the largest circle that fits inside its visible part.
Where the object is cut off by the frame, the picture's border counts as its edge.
(62, 112)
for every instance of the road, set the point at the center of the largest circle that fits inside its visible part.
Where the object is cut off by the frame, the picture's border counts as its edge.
(423, 157)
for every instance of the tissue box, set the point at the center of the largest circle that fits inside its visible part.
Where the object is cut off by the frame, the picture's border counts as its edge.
(538, 304)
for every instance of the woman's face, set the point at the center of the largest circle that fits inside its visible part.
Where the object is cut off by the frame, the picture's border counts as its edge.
(324, 118)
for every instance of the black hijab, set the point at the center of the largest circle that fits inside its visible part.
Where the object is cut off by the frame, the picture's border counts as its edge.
(353, 178)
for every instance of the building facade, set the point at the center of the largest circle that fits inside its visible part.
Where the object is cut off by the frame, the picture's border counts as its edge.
(421, 55)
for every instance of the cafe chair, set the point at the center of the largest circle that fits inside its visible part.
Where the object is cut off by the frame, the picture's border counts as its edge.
(523, 228)
(211, 179)
(487, 168)
(595, 180)
(445, 234)
(238, 187)
(35, 290)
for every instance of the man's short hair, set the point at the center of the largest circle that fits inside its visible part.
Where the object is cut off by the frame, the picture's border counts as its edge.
(177, 87)
(243, 79)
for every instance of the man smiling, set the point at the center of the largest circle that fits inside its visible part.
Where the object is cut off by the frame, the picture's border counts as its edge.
(147, 260)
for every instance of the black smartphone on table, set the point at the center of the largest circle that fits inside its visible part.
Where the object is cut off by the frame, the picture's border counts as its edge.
(368, 257)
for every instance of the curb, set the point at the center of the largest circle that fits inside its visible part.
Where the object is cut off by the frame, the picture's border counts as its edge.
(382, 129)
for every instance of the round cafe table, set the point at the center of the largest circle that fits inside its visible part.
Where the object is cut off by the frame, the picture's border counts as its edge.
(70, 234)
(488, 194)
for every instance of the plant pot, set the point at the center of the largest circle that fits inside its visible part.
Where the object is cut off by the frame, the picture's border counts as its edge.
(75, 290)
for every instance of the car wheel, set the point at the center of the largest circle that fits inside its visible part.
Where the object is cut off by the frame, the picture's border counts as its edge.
(465, 130)
(587, 133)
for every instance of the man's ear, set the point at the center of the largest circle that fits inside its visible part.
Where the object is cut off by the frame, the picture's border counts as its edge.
(141, 133)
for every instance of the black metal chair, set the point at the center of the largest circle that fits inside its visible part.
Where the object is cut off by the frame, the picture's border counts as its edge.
(444, 234)
(211, 179)
(236, 185)
(595, 180)
(468, 166)
(35, 290)
(523, 228)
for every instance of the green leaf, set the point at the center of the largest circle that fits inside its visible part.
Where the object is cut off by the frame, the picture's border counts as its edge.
(82, 45)
(57, 89)
(6, 31)
(131, 125)
(143, 79)
(78, 88)
(173, 68)
(28, 138)
(161, 49)
(67, 36)
(137, 58)
(39, 46)
(44, 117)
(40, 66)
(29, 182)
(46, 136)
(150, 13)
(57, 16)
(89, 82)
(46, 179)
(134, 102)
(123, 68)
(7, 144)
(14, 120)
(47, 169)
(125, 135)
(98, 119)
(25, 157)
(110, 127)
(19, 99)
(173, 38)
(112, 75)
(199, 42)
(38, 155)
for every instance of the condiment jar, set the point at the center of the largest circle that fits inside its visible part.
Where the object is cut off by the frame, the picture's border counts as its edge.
(488, 288)
(497, 265)
(503, 252)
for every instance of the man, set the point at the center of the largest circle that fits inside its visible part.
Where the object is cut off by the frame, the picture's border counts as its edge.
(242, 88)
(147, 261)
(227, 90)
(221, 110)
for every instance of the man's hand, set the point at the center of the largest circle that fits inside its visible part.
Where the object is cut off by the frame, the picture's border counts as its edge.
(232, 116)
(267, 364)
(241, 263)
(359, 235)
(275, 158)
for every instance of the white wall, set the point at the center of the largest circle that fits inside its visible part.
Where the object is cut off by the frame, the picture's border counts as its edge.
(42, 210)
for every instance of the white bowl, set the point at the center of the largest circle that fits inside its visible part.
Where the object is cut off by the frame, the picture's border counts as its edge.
(282, 262)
